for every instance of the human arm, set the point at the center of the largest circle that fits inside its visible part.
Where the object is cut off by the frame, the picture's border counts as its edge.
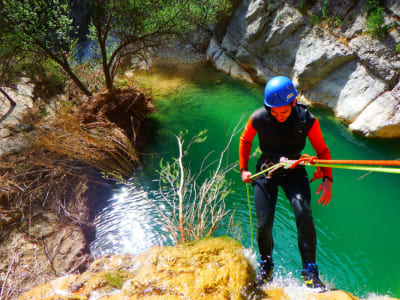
(322, 151)
(245, 143)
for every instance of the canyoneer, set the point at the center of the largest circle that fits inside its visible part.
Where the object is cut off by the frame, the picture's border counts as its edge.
(282, 127)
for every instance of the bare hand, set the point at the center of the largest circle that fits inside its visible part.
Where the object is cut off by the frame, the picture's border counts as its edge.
(326, 188)
(246, 176)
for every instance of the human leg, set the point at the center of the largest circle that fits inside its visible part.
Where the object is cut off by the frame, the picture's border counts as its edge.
(265, 194)
(297, 189)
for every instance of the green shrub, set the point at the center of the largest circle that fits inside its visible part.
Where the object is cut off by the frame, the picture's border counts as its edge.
(314, 19)
(375, 21)
(338, 21)
(325, 9)
(279, 18)
(371, 6)
(114, 280)
(271, 7)
(375, 24)
(303, 5)
(398, 47)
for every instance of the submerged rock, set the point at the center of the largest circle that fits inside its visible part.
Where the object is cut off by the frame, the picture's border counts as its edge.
(214, 268)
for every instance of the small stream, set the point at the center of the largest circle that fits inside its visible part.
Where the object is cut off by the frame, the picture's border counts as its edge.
(358, 233)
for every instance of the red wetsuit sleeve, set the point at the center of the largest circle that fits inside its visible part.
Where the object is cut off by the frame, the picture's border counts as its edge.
(246, 140)
(318, 143)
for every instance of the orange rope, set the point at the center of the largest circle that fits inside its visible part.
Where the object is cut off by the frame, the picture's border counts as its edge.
(314, 160)
(318, 174)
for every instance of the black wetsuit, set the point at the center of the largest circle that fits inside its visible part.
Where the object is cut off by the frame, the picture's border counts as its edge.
(277, 140)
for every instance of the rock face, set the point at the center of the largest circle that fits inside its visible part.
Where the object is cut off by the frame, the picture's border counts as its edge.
(214, 268)
(42, 251)
(324, 47)
(13, 133)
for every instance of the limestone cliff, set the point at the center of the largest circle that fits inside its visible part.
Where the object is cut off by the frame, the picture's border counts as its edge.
(215, 268)
(325, 47)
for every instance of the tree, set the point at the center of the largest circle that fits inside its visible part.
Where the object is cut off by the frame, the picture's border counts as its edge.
(43, 28)
(121, 28)
(126, 28)
(8, 62)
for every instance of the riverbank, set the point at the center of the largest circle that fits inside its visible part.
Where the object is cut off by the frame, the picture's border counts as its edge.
(58, 162)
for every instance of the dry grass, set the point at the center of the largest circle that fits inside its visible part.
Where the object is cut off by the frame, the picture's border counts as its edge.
(37, 180)
(100, 144)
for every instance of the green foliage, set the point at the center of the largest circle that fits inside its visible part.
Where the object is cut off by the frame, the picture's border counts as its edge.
(114, 280)
(201, 137)
(40, 27)
(375, 21)
(314, 19)
(303, 5)
(271, 7)
(10, 62)
(325, 9)
(126, 28)
(372, 6)
(338, 21)
(50, 79)
(398, 47)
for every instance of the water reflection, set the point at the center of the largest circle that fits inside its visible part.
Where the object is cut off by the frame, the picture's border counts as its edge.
(129, 223)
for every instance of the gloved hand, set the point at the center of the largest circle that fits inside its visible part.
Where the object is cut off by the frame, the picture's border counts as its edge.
(246, 176)
(326, 188)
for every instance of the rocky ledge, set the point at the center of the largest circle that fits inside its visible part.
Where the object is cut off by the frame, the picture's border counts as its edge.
(213, 268)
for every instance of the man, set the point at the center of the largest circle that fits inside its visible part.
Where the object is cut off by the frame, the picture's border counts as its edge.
(282, 126)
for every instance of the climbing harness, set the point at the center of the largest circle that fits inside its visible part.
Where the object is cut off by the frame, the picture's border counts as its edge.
(307, 160)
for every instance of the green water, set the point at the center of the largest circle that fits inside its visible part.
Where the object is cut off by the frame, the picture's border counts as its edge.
(358, 233)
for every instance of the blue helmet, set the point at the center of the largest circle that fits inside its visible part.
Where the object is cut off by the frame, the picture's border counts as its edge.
(279, 91)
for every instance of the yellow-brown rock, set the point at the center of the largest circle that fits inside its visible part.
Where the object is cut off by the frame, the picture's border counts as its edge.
(210, 269)
(214, 268)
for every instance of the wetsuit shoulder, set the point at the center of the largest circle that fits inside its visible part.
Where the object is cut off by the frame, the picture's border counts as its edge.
(259, 117)
(304, 115)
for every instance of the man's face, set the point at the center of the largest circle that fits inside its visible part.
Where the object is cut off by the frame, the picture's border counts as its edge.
(283, 112)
